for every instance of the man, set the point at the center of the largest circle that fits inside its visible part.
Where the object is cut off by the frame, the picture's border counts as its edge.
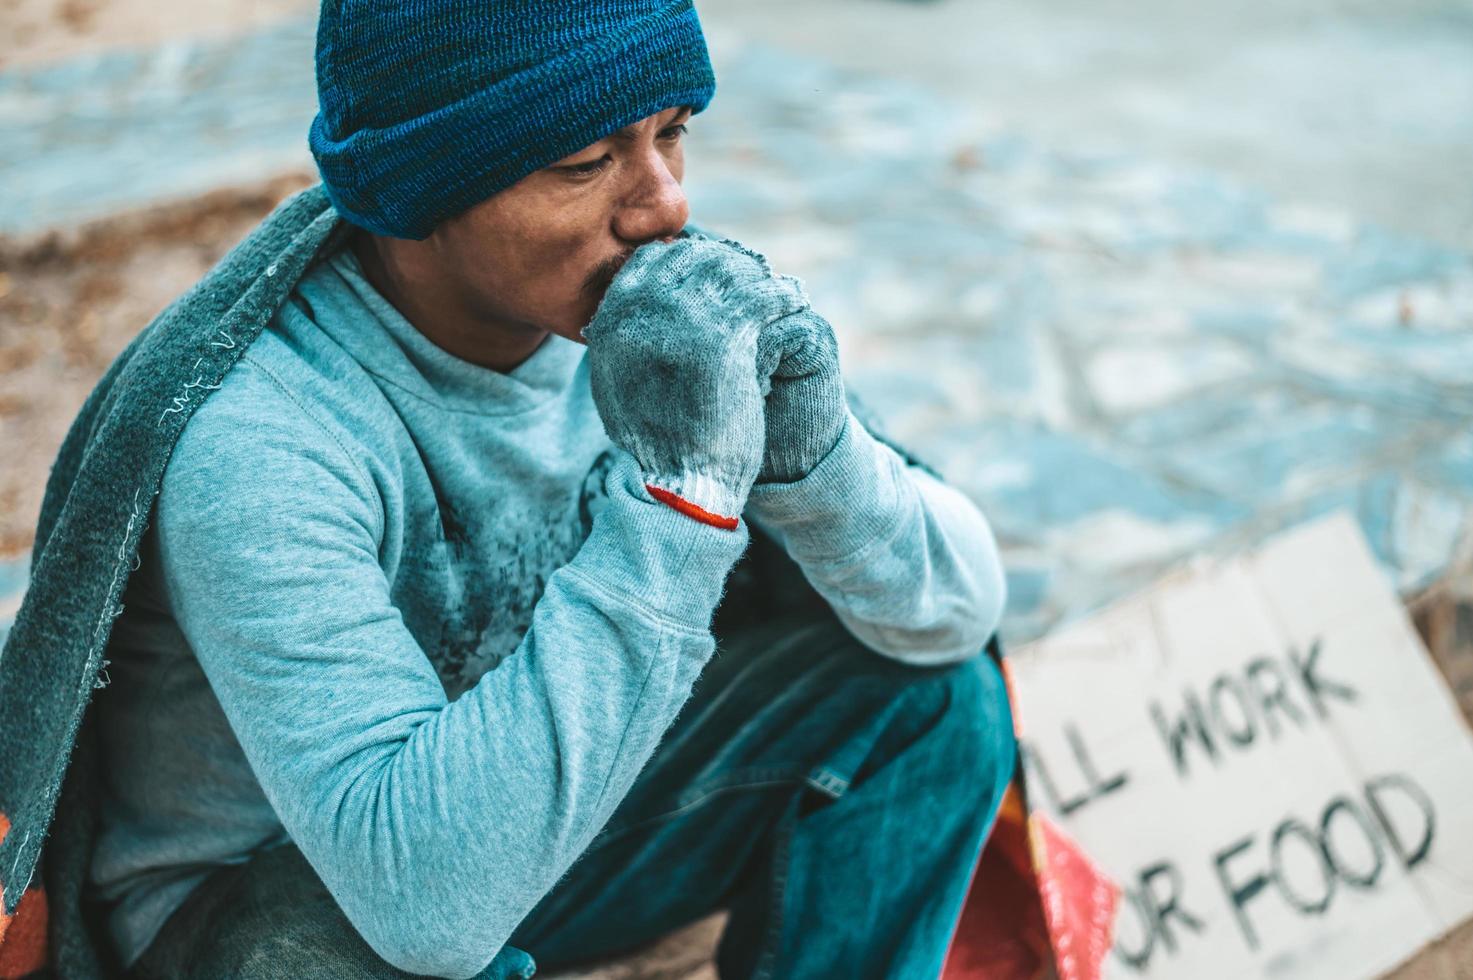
(418, 672)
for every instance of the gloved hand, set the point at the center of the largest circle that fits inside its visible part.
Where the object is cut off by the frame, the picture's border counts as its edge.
(678, 374)
(806, 409)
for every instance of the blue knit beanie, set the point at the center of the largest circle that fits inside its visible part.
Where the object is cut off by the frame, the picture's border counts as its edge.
(427, 107)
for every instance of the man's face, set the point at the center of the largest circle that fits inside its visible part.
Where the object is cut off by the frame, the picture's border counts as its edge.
(542, 252)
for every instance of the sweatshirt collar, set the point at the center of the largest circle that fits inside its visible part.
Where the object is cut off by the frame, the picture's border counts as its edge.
(394, 350)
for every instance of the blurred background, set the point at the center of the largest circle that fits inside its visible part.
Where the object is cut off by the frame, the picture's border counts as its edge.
(1148, 280)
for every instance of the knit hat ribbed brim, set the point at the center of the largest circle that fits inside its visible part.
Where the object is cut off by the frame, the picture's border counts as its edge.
(427, 107)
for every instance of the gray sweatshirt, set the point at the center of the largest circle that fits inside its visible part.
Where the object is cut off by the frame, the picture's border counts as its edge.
(424, 620)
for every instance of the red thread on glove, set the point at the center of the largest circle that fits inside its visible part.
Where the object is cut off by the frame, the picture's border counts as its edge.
(692, 510)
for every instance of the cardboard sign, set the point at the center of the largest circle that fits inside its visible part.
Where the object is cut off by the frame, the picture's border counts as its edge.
(1262, 754)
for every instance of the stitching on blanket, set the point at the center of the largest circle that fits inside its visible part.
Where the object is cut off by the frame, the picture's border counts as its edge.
(111, 611)
(18, 852)
(181, 400)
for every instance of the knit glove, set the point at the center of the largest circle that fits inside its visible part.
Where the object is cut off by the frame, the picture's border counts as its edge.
(677, 371)
(806, 410)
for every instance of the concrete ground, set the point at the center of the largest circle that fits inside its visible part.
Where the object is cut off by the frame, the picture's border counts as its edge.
(1355, 105)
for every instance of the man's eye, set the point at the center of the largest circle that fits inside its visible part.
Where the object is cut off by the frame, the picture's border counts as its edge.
(594, 166)
(591, 167)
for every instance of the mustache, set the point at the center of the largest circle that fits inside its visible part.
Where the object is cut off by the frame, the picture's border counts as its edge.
(603, 274)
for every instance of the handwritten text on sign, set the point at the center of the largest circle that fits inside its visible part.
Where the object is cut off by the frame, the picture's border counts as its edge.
(1263, 755)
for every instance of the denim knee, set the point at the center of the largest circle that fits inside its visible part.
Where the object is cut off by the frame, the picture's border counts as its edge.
(952, 724)
(978, 724)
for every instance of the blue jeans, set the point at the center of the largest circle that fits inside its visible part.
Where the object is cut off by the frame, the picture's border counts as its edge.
(833, 800)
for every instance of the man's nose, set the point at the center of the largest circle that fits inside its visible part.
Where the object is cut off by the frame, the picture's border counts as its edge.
(656, 209)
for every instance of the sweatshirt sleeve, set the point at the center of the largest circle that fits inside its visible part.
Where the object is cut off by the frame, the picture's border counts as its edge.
(436, 825)
(908, 563)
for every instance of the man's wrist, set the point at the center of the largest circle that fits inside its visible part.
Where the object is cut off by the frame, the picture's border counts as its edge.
(699, 496)
(792, 455)
(644, 550)
(847, 501)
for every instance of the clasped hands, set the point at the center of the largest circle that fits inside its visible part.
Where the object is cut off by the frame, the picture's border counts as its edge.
(714, 373)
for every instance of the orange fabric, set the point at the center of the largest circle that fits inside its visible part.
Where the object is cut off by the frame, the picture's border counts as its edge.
(23, 947)
(1079, 901)
(1011, 687)
(1036, 898)
(1001, 934)
(23, 933)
